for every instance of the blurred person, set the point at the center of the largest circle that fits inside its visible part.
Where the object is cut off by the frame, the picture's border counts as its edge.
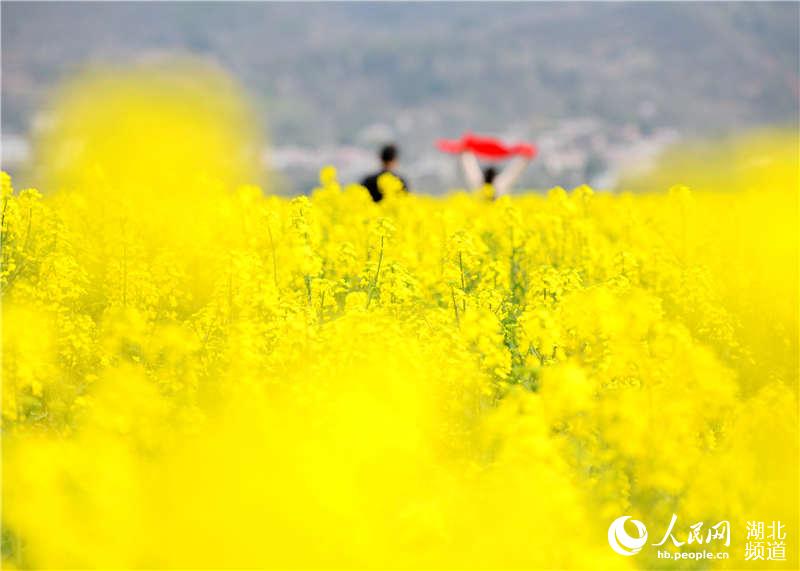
(489, 182)
(388, 156)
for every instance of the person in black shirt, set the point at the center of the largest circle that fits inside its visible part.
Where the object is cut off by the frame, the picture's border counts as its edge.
(388, 157)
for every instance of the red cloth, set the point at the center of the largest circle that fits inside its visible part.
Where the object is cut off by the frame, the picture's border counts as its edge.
(486, 147)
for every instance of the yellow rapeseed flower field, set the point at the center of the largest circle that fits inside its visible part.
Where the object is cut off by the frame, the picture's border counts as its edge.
(199, 374)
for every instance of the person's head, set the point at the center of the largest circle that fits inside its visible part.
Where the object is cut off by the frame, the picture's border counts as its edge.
(488, 175)
(388, 155)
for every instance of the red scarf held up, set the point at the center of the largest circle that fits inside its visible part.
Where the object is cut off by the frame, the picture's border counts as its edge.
(486, 147)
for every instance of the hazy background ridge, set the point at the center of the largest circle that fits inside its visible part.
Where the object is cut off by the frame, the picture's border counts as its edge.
(598, 86)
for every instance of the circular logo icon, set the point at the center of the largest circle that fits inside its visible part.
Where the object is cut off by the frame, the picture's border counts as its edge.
(623, 543)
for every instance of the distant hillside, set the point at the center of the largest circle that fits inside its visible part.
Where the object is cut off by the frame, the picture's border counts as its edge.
(355, 73)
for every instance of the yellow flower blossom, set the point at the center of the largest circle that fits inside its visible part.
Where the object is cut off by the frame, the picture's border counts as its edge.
(201, 374)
